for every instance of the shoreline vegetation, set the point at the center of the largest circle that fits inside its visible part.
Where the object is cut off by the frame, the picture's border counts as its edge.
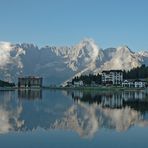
(86, 88)
(97, 88)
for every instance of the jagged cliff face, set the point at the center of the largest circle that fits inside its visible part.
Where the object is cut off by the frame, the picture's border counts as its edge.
(58, 64)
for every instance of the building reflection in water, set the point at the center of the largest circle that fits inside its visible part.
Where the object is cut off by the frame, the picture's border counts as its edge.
(30, 94)
(113, 100)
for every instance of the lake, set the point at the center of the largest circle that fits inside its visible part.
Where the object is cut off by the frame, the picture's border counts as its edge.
(63, 119)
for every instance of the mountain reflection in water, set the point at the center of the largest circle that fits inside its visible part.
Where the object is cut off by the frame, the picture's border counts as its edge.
(84, 113)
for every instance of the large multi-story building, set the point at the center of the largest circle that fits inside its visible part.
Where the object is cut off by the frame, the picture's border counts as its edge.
(30, 82)
(114, 77)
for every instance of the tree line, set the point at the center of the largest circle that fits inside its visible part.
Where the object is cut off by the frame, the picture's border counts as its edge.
(88, 79)
(135, 73)
(6, 84)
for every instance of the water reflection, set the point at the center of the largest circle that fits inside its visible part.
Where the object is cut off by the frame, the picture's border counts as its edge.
(84, 113)
(30, 94)
(10, 112)
(93, 111)
(135, 99)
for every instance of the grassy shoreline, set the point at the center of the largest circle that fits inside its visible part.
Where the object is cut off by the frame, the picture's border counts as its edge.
(100, 88)
(97, 88)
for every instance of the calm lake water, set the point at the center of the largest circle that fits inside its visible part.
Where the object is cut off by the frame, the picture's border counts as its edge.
(61, 119)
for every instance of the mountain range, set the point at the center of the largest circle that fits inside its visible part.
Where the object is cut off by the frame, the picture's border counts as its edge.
(59, 64)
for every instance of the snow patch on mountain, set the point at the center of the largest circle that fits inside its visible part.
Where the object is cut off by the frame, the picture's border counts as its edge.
(10, 55)
(121, 58)
(143, 53)
(10, 61)
(83, 55)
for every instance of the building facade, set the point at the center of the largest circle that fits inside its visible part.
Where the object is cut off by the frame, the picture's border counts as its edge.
(139, 84)
(127, 83)
(78, 83)
(113, 77)
(30, 82)
(134, 83)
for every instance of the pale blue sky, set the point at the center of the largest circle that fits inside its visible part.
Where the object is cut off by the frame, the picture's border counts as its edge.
(110, 23)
